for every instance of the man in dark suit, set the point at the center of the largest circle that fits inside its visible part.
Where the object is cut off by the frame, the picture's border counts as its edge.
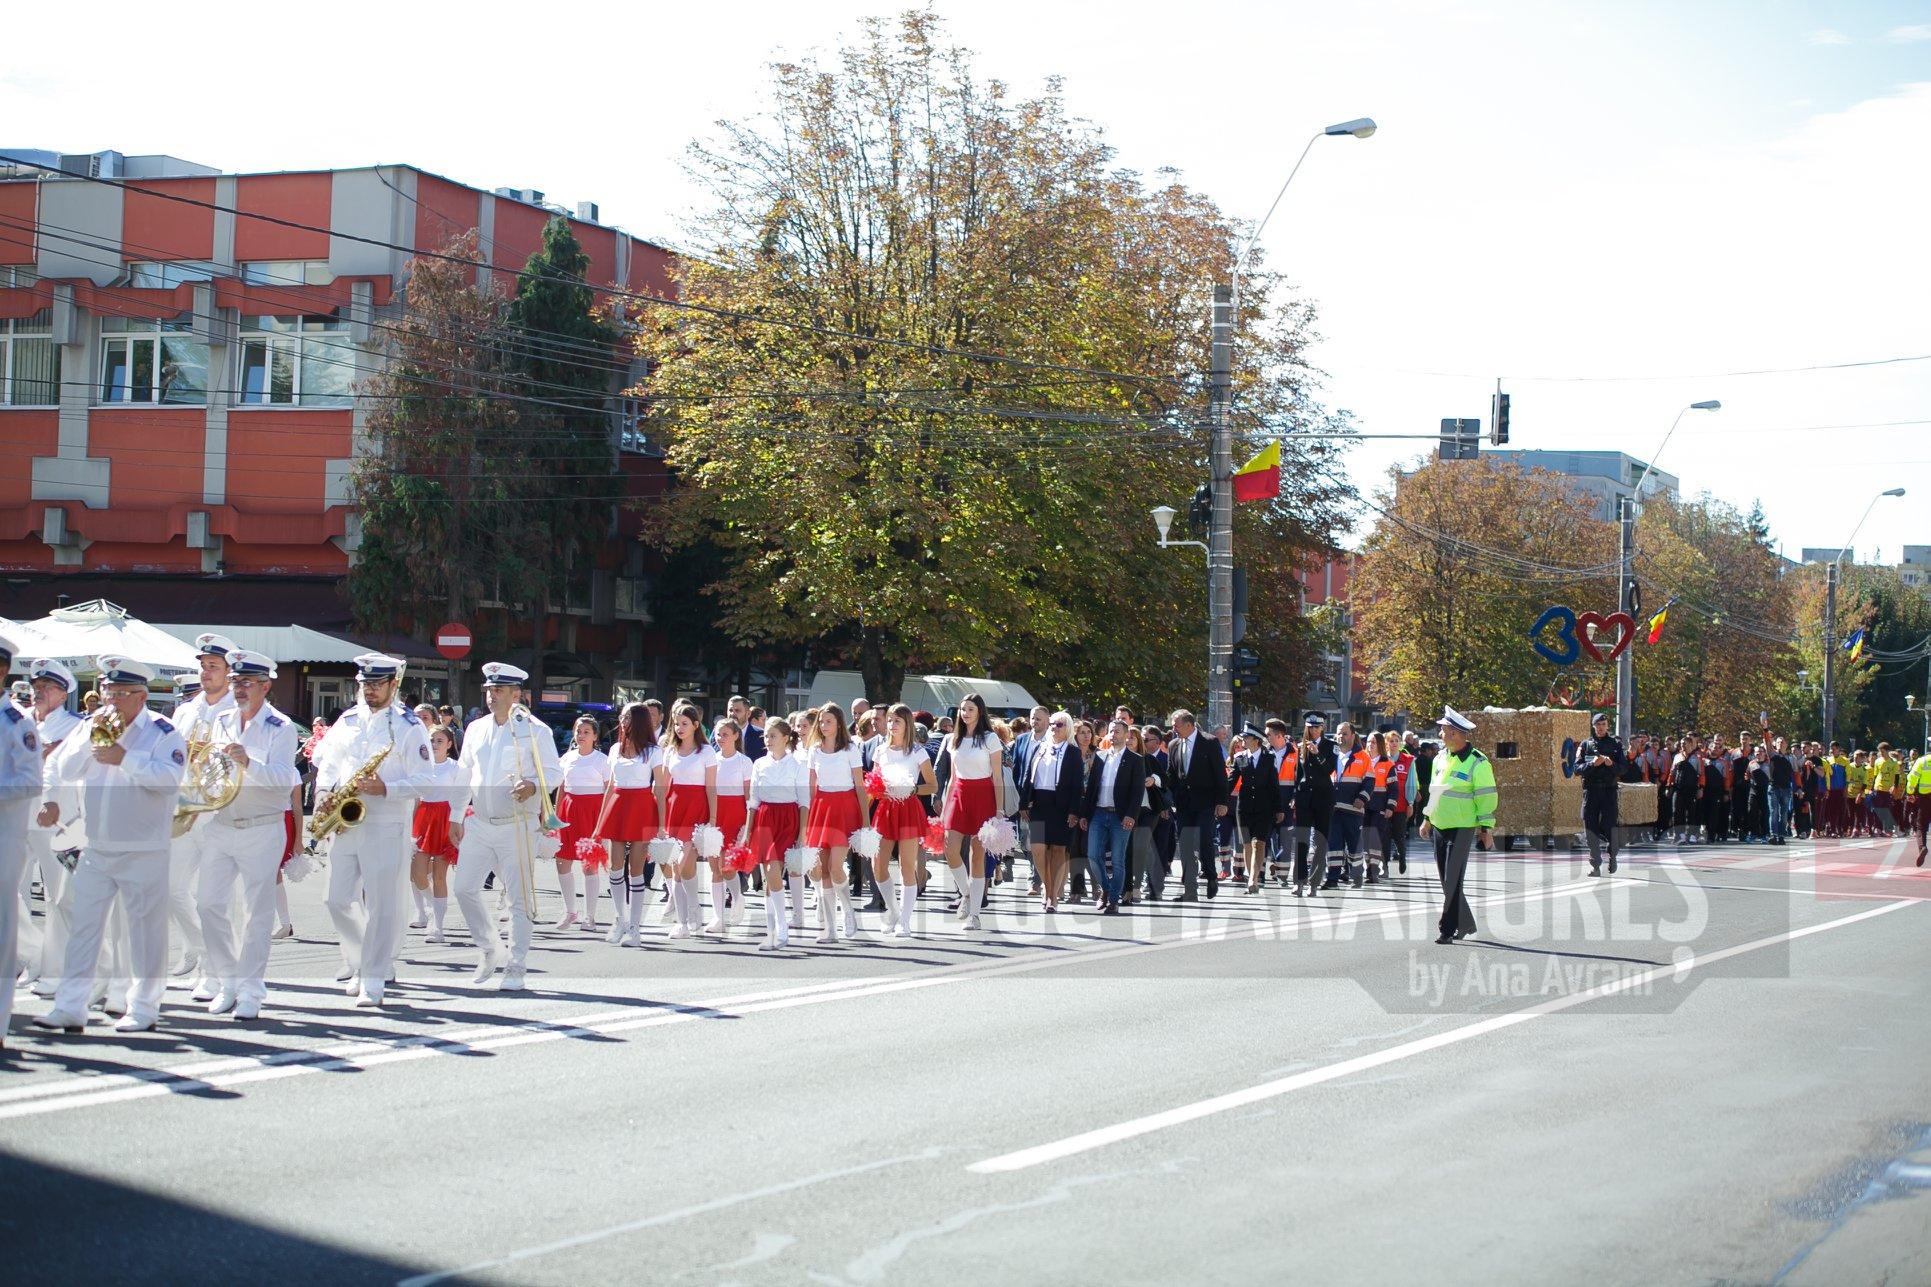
(1111, 804)
(751, 740)
(1315, 763)
(1199, 777)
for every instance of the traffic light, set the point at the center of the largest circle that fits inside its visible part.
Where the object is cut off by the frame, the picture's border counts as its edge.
(1498, 419)
(1200, 510)
(1247, 668)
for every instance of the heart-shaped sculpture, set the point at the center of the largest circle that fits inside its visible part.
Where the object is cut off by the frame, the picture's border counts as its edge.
(1588, 623)
(1564, 620)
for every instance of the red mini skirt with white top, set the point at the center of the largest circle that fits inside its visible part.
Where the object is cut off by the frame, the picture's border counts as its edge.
(629, 813)
(429, 829)
(688, 808)
(580, 814)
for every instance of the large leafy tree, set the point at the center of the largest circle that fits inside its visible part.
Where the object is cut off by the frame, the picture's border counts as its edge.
(935, 364)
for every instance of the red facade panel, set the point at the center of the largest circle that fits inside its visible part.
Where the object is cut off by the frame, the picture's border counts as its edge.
(444, 211)
(518, 235)
(26, 434)
(18, 202)
(172, 555)
(299, 198)
(156, 454)
(312, 560)
(650, 270)
(154, 226)
(601, 245)
(277, 459)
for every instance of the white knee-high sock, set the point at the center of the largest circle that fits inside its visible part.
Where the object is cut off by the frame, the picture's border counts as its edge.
(619, 882)
(693, 902)
(908, 901)
(975, 892)
(439, 905)
(422, 901)
(589, 897)
(888, 894)
(567, 879)
(846, 908)
(719, 912)
(774, 908)
(962, 884)
(828, 908)
(797, 884)
(281, 904)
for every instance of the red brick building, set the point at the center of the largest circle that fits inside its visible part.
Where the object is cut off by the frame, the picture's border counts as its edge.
(178, 391)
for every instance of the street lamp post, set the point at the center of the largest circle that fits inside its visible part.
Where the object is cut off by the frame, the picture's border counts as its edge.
(1830, 618)
(1220, 532)
(1627, 508)
(1924, 711)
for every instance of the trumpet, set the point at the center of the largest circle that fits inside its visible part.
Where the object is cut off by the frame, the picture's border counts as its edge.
(107, 727)
(345, 808)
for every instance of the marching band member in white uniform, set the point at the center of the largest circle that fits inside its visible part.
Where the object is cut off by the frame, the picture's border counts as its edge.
(370, 862)
(128, 789)
(501, 753)
(20, 778)
(52, 683)
(194, 720)
(242, 842)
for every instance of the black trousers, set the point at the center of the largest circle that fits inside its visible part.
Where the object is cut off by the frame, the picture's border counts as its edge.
(1451, 864)
(1199, 849)
(1599, 818)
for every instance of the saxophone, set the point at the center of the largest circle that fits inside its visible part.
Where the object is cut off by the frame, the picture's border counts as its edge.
(345, 808)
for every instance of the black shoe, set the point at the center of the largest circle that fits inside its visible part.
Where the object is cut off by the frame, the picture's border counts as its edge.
(1445, 940)
(1186, 898)
(1402, 862)
(877, 904)
(1612, 864)
(1595, 868)
(1464, 933)
(1111, 909)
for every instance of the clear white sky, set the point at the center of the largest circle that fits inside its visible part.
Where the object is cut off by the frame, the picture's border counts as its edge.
(1558, 189)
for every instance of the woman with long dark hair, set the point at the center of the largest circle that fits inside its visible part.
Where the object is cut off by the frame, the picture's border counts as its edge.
(837, 809)
(687, 779)
(900, 819)
(972, 798)
(631, 813)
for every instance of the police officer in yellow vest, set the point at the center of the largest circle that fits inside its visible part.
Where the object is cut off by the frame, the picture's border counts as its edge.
(1461, 803)
(1917, 797)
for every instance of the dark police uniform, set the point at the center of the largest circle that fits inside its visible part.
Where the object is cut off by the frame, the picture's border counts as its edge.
(1599, 795)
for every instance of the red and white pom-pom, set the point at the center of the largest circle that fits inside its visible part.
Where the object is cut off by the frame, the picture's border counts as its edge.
(900, 781)
(934, 840)
(707, 840)
(999, 836)
(864, 842)
(875, 784)
(301, 867)
(798, 861)
(739, 858)
(588, 849)
(662, 850)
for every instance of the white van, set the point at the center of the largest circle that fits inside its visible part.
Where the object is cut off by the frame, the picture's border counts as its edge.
(939, 694)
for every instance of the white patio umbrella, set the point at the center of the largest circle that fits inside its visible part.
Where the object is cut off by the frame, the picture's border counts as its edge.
(79, 634)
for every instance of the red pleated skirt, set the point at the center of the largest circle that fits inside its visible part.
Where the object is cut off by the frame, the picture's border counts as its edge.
(688, 808)
(630, 813)
(972, 803)
(774, 830)
(430, 829)
(730, 818)
(579, 814)
(833, 817)
(896, 820)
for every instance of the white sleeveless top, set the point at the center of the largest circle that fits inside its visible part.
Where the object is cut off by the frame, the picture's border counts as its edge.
(970, 762)
(688, 770)
(834, 768)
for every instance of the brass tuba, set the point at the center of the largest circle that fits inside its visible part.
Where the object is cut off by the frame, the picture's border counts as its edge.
(345, 808)
(212, 782)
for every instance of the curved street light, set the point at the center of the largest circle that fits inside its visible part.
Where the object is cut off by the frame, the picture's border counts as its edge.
(1830, 616)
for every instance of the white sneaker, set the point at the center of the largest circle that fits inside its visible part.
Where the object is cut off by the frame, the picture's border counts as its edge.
(369, 998)
(435, 936)
(281, 932)
(900, 930)
(716, 927)
(44, 988)
(345, 974)
(222, 1002)
(768, 945)
(512, 980)
(421, 922)
(190, 963)
(680, 930)
(972, 921)
(129, 1023)
(204, 992)
(353, 986)
(568, 919)
(616, 935)
(59, 1021)
(633, 935)
(590, 927)
(248, 1008)
(484, 968)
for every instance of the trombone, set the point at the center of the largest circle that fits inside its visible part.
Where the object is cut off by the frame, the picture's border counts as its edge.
(546, 814)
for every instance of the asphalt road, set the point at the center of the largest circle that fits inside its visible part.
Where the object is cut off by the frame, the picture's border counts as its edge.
(1712, 1067)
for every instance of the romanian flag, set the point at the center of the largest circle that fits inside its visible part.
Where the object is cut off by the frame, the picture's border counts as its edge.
(1855, 645)
(1657, 622)
(1260, 478)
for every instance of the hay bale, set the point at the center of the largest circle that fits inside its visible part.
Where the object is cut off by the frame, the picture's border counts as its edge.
(1533, 797)
(1636, 803)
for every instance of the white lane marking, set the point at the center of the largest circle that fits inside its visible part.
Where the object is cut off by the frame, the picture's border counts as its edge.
(87, 1091)
(1089, 1140)
(668, 1217)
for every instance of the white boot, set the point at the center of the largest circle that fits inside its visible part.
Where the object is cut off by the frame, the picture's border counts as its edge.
(908, 900)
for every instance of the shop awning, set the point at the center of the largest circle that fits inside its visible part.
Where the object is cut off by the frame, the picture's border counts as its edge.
(280, 644)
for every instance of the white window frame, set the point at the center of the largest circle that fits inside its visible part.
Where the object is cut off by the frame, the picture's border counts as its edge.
(134, 331)
(313, 272)
(10, 336)
(171, 273)
(295, 342)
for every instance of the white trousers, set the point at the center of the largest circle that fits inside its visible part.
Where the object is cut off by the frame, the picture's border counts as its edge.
(140, 881)
(370, 864)
(184, 870)
(45, 963)
(13, 861)
(246, 858)
(493, 846)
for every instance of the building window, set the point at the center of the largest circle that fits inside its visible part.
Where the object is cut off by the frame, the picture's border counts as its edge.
(296, 362)
(18, 275)
(166, 274)
(29, 362)
(147, 361)
(287, 272)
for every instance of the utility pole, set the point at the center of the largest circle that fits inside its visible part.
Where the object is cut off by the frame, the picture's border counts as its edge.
(1220, 539)
(1626, 602)
(1830, 654)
